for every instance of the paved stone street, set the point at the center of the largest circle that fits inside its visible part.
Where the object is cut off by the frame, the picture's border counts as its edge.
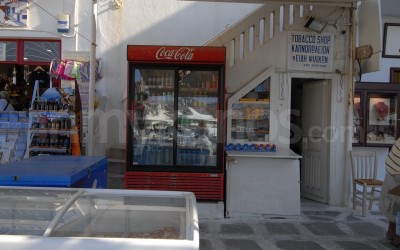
(318, 227)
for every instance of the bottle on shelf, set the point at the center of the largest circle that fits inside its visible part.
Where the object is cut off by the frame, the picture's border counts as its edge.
(170, 79)
(214, 81)
(163, 79)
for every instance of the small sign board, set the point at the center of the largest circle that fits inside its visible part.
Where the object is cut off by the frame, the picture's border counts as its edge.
(310, 51)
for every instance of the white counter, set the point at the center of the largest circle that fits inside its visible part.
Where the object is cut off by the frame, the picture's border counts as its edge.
(280, 153)
(263, 183)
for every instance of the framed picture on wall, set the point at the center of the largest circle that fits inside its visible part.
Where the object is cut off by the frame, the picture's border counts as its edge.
(391, 36)
(395, 75)
(379, 111)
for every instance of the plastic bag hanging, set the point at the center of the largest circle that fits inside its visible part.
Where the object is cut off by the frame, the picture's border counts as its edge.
(84, 71)
(99, 69)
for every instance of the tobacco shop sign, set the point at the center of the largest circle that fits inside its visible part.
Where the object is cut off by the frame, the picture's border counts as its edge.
(310, 51)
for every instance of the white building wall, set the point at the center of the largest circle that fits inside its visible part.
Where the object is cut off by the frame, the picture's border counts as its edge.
(42, 23)
(151, 22)
(382, 76)
(169, 22)
(274, 53)
(386, 63)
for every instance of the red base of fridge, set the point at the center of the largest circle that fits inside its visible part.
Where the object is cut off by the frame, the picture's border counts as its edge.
(206, 186)
(175, 125)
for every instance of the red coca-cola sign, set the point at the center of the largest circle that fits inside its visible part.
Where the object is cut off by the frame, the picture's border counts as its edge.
(176, 54)
(181, 54)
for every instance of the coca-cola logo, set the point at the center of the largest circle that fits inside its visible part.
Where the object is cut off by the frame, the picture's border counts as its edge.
(181, 54)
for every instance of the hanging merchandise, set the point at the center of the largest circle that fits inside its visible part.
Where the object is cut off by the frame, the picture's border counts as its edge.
(14, 79)
(75, 70)
(53, 68)
(68, 68)
(60, 68)
(72, 69)
(38, 74)
(26, 73)
(99, 69)
(84, 72)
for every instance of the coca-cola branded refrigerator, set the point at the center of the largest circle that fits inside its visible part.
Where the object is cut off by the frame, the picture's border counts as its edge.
(175, 130)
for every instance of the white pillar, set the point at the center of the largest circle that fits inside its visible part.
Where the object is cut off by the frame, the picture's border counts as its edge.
(92, 82)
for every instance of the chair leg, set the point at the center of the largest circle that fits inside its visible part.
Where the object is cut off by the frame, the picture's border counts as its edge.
(364, 200)
(371, 198)
(354, 195)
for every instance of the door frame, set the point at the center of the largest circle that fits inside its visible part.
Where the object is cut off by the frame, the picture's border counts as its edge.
(337, 93)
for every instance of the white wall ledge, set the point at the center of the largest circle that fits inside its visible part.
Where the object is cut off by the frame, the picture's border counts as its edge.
(281, 153)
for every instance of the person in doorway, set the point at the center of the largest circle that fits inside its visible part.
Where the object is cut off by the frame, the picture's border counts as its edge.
(389, 203)
(5, 102)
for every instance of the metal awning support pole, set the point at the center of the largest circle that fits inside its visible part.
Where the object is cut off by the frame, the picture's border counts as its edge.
(92, 82)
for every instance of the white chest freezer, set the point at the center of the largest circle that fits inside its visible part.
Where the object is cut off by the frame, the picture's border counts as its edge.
(67, 218)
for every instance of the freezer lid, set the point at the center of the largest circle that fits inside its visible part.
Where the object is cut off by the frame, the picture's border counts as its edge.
(30, 211)
(50, 170)
(98, 213)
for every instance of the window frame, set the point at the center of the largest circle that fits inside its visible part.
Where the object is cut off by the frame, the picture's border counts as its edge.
(367, 90)
(20, 51)
(394, 74)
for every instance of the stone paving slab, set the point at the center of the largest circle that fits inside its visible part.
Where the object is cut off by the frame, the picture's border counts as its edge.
(366, 228)
(281, 228)
(324, 228)
(240, 228)
(332, 228)
(298, 245)
(352, 245)
(241, 244)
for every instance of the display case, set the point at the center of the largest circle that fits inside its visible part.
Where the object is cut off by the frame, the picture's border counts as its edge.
(175, 128)
(104, 219)
(50, 131)
(249, 112)
(376, 114)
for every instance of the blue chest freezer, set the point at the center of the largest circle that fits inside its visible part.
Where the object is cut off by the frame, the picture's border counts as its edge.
(56, 171)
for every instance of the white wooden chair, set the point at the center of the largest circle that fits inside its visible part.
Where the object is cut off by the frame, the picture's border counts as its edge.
(364, 170)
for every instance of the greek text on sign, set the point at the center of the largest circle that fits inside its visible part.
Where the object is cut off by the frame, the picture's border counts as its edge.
(310, 51)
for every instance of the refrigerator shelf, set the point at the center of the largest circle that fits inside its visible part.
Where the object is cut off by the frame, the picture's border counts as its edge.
(53, 131)
(48, 149)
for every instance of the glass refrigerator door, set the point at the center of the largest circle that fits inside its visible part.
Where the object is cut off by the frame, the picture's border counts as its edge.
(197, 117)
(153, 123)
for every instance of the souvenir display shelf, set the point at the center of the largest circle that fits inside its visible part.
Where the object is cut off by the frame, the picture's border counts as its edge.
(50, 131)
(249, 113)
